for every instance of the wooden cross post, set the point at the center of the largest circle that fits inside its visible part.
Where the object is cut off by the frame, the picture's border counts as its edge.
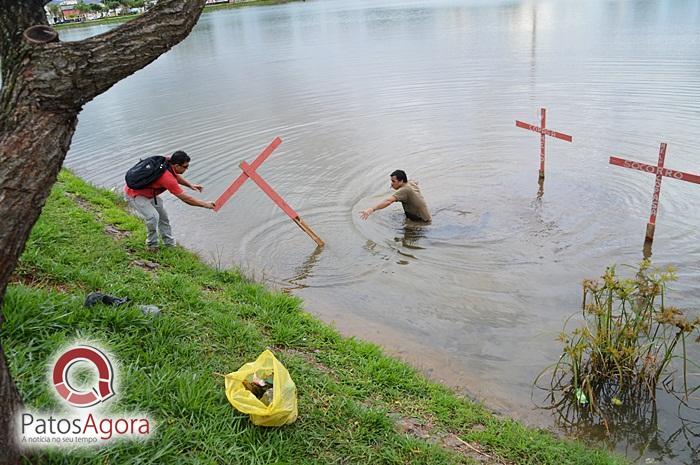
(543, 132)
(249, 171)
(659, 171)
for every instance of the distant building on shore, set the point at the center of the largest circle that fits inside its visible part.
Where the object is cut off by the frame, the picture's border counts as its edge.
(61, 11)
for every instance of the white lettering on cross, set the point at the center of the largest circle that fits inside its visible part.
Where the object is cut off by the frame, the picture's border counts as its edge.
(659, 170)
(543, 132)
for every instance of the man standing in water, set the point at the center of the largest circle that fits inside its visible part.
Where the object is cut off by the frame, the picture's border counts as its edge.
(408, 193)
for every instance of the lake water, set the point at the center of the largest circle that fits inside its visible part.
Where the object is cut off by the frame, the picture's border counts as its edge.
(358, 88)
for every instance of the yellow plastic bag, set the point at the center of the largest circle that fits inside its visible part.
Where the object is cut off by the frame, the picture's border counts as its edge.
(283, 408)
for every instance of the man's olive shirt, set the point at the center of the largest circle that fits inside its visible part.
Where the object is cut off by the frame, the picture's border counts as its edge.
(413, 202)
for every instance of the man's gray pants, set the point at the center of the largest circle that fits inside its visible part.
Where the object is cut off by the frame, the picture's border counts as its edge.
(156, 219)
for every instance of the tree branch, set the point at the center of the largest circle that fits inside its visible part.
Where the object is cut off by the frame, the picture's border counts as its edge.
(68, 75)
(17, 15)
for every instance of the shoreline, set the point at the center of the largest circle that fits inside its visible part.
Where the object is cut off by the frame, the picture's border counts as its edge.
(352, 397)
(207, 9)
(434, 364)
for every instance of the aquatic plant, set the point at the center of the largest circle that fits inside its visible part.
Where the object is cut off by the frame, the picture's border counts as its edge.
(630, 342)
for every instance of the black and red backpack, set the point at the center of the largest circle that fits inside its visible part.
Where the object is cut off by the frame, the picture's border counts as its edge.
(143, 173)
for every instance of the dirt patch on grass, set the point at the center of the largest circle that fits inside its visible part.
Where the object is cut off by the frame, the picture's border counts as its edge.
(308, 357)
(38, 281)
(115, 232)
(211, 288)
(109, 229)
(424, 429)
(82, 203)
(146, 265)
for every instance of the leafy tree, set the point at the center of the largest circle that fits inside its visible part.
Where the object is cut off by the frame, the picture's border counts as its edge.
(44, 87)
(55, 11)
(83, 8)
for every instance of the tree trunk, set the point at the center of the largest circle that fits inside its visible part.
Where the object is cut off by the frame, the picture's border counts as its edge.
(9, 404)
(32, 155)
(44, 89)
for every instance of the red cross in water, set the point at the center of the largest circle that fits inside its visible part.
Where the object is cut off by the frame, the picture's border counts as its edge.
(659, 171)
(249, 172)
(543, 132)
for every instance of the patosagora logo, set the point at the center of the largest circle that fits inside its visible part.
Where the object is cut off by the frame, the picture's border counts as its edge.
(83, 377)
(76, 397)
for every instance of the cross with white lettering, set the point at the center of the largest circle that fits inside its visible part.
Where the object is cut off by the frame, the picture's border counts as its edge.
(659, 171)
(543, 132)
(249, 172)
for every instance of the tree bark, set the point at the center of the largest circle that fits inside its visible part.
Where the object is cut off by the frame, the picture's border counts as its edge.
(44, 87)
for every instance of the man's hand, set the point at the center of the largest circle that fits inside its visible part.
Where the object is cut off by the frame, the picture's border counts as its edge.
(210, 205)
(198, 187)
(364, 214)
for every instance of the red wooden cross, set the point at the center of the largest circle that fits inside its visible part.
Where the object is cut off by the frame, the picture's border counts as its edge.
(659, 171)
(543, 132)
(249, 171)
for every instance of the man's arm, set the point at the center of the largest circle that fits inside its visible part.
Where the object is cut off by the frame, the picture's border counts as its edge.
(189, 200)
(184, 182)
(364, 214)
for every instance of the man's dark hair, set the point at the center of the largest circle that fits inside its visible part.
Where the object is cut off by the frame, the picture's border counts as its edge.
(179, 158)
(400, 175)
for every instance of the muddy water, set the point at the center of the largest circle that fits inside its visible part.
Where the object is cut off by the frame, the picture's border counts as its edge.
(357, 89)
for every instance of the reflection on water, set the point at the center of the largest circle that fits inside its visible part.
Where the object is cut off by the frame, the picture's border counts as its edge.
(540, 190)
(359, 88)
(634, 425)
(646, 250)
(412, 233)
(302, 273)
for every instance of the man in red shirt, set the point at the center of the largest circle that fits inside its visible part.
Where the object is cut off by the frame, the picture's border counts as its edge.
(145, 201)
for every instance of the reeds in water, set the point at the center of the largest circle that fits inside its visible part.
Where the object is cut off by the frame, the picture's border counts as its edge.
(630, 341)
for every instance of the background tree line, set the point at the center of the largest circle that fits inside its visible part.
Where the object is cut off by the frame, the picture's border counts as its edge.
(111, 5)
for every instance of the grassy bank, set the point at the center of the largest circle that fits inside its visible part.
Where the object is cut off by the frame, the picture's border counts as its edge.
(356, 406)
(207, 8)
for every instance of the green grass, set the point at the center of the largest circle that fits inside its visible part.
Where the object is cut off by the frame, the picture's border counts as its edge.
(352, 398)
